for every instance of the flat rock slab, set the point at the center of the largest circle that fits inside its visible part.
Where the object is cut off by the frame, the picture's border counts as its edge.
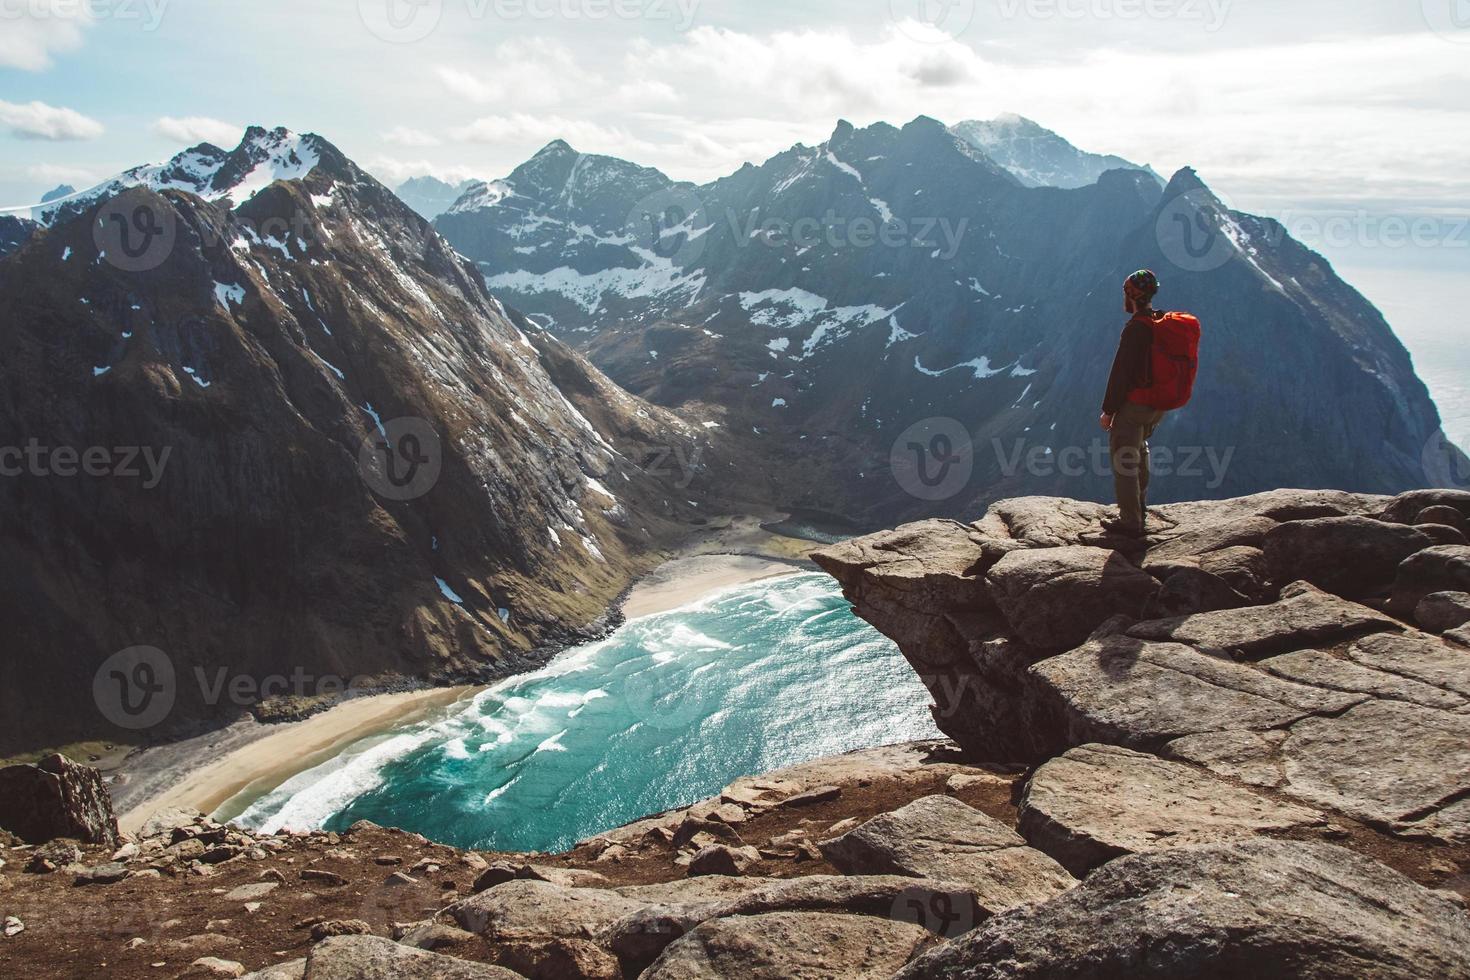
(375, 958)
(1142, 694)
(1418, 657)
(939, 837)
(1396, 765)
(1097, 802)
(1198, 540)
(1309, 617)
(1048, 522)
(1387, 762)
(1267, 910)
(1054, 598)
(1342, 673)
(792, 946)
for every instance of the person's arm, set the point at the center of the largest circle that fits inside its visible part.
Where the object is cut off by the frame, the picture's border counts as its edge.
(1130, 365)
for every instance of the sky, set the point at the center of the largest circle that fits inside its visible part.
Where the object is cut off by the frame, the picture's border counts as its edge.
(1347, 119)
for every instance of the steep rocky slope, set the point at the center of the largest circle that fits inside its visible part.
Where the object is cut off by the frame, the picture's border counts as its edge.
(274, 426)
(14, 232)
(839, 307)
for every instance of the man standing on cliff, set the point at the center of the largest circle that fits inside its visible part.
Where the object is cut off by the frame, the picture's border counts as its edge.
(1153, 374)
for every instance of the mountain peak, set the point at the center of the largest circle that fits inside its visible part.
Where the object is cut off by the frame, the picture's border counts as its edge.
(1184, 182)
(262, 157)
(557, 147)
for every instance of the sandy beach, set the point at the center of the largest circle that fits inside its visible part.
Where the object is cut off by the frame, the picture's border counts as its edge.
(206, 771)
(683, 581)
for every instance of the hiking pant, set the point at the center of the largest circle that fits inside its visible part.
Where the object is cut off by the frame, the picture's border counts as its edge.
(1128, 445)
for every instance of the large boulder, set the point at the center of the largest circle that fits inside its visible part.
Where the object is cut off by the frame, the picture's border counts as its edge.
(792, 946)
(1098, 802)
(946, 909)
(1054, 598)
(1445, 568)
(1350, 556)
(940, 838)
(57, 798)
(1443, 611)
(546, 931)
(1268, 910)
(375, 958)
(1407, 508)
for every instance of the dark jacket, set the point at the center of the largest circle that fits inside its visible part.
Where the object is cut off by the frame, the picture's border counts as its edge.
(1132, 366)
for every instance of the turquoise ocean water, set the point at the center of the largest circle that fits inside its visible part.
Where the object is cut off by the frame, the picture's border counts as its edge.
(664, 712)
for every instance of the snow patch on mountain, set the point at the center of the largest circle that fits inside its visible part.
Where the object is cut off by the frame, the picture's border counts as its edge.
(658, 277)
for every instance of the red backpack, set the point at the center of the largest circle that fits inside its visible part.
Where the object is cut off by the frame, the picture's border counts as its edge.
(1173, 363)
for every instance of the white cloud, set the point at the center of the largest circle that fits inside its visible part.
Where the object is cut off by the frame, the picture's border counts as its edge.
(34, 30)
(558, 74)
(198, 129)
(39, 121)
(468, 86)
(53, 173)
(407, 136)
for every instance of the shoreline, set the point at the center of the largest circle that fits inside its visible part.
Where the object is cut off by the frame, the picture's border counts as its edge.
(681, 582)
(209, 770)
(221, 765)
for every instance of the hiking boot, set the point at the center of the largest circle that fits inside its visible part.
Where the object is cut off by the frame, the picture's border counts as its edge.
(1117, 527)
